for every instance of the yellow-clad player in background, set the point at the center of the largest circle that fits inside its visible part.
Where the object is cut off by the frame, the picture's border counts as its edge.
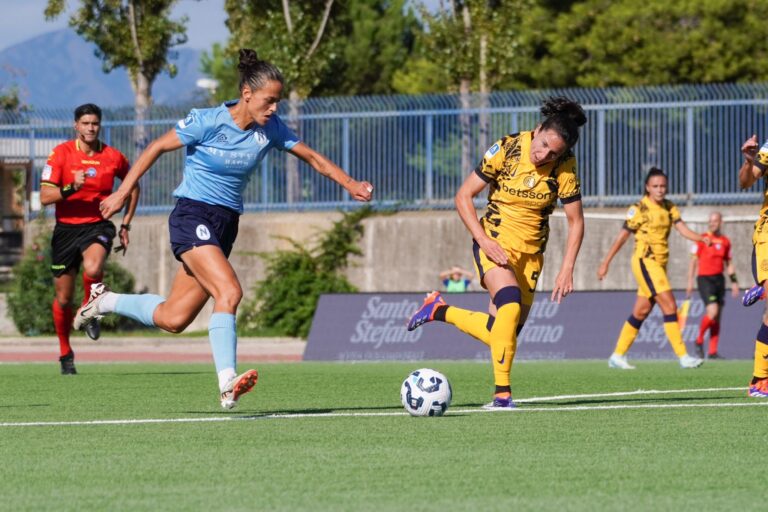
(651, 220)
(753, 169)
(527, 173)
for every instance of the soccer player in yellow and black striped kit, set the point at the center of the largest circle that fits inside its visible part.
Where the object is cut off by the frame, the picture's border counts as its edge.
(752, 170)
(527, 173)
(651, 219)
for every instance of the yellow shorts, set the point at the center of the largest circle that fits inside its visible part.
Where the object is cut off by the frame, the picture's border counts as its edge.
(760, 251)
(651, 277)
(526, 267)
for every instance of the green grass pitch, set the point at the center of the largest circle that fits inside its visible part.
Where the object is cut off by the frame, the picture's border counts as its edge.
(699, 448)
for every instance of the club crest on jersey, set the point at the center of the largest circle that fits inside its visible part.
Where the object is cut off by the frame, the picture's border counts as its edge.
(529, 181)
(202, 232)
(46, 175)
(259, 136)
(492, 150)
(718, 246)
(186, 121)
(90, 172)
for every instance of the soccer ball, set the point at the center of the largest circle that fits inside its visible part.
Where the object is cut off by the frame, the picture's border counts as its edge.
(426, 392)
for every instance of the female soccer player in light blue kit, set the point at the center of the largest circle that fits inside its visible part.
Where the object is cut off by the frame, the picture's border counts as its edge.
(224, 145)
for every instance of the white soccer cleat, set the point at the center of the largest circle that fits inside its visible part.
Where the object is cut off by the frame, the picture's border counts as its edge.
(620, 362)
(90, 310)
(237, 387)
(687, 362)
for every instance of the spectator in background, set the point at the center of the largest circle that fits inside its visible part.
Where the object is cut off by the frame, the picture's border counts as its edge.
(456, 280)
(710, 261)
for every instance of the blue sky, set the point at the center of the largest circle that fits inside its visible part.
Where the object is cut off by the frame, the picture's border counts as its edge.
(23, 19)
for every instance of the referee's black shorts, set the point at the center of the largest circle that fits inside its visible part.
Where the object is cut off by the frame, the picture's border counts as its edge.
(712, 288)
(70, 240)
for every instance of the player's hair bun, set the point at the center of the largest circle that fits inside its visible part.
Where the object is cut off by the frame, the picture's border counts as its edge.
(248, 59)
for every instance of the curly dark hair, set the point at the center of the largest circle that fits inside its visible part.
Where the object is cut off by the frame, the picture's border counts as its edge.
(564, 116)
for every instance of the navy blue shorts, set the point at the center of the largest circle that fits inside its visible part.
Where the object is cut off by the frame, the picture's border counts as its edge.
(194, 223)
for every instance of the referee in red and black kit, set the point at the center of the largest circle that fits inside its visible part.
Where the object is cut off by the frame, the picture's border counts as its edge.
(708, 264)
(79, 174)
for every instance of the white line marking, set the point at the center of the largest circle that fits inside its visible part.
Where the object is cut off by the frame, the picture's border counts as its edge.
(289, 416)
(627, 393)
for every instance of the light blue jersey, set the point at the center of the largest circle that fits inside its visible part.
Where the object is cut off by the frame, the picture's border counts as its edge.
(221, 157)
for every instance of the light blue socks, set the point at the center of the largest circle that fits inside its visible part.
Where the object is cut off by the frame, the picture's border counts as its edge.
(139, 307)
(223, 336)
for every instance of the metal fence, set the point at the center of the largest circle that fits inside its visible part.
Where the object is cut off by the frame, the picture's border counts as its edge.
(409, 147)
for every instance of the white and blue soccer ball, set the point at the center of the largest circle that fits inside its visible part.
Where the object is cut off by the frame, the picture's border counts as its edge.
(426, 392)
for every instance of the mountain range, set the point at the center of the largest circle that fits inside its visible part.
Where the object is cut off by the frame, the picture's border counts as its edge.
(59, 70)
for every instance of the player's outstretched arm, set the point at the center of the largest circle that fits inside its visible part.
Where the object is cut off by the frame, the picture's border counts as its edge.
(615, 248)
(359, 190)
(574, 213)
(168, 142)
(691, 235)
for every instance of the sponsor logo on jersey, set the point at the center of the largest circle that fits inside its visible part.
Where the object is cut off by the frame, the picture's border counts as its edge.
(492, 150)
(186, 121)
(202, 232)
(221, 139)
(90, 172)
(259, 136)
(103, 239)
(46, 175)
(527, 194)
(631, 212)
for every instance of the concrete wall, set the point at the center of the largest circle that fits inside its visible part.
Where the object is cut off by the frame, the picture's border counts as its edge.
(406, 251)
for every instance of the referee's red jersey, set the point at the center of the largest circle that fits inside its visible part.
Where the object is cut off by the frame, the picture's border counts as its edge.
(712, 259)
(100, 170)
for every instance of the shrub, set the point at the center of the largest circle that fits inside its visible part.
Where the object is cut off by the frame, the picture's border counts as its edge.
(284, 301)
(32, 293)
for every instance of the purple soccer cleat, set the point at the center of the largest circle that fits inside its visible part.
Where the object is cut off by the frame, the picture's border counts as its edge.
(753, 295)
(426, 313)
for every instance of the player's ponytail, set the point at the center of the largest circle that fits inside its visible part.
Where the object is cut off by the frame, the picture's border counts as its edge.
(564, 116)
(255, 73)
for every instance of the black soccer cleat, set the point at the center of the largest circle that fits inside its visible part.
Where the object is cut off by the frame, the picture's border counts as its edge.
(68, 364)
(93, 329)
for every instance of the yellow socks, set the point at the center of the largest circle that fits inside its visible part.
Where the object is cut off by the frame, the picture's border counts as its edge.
(627, 335)
(672, 329)
(761, 353)
(503, 335)
(473, 323)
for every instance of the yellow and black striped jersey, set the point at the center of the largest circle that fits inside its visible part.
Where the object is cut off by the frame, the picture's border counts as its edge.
(522, 196)
(651, 224)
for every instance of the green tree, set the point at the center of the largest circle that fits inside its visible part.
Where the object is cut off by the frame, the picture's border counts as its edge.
(602, 43)
(134, 34)
(478, 45)
(378, 36)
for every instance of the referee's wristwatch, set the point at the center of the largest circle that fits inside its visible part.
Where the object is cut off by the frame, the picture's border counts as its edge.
(126, 227)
